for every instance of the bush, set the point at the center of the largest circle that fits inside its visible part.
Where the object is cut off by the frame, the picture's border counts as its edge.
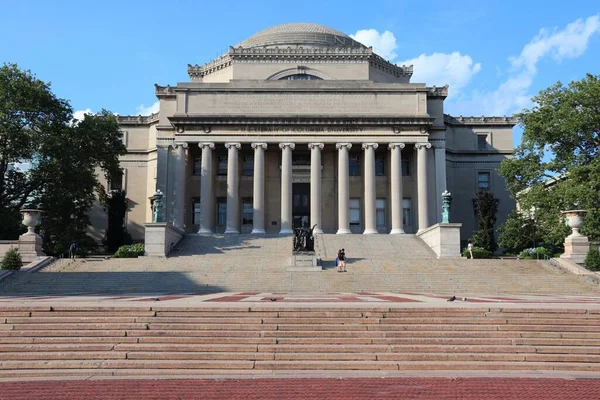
(592, 260)
(130, 251)
(537, 253)
(478, 252)
(12, 260)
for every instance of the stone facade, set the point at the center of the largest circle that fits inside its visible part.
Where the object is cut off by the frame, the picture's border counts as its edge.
(302, 124)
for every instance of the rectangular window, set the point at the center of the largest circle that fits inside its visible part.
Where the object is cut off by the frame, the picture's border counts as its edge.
(379, 165)
(405, 167)
(222, 166)
(116, 182)
(406, 210)
(197, 165)
(380, 213)
(355, 212)
(221, 211)
(247, 212)
(196, 213)
(354, 165)
(482, 141)
(248, 165)
(483, 180)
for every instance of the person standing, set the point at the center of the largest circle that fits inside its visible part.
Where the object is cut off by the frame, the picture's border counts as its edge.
(342, 260)
(72, 250)
(470, 248)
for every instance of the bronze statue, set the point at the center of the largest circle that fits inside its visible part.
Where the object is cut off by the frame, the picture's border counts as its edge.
(304, 239)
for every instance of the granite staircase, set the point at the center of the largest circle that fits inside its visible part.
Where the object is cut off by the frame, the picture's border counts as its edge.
(70, 341)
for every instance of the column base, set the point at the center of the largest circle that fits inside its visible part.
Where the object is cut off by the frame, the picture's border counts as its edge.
(343, 232)
(396, 231)
(286, 232)
(370, 232)
(205, 231)
(258, 231)
(231, 231)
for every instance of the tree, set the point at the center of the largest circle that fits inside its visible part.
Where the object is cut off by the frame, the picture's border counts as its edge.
(517, 233)
(556, 166)
(37, 126)
(486, 208)
(115, 205)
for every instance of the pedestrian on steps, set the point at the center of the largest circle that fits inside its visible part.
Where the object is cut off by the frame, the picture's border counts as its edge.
(72, 250)
(470, 248)
(341, 261)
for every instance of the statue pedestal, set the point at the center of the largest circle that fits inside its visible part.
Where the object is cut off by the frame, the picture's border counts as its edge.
(30, 247)
(305, 261)
(576, 248)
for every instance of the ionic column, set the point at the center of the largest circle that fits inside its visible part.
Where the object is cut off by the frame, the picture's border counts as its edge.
(440, 178)
(422, 184)
(286, 187)
(259, 188)
(396, 187)
(206, 188)
(370, 195)
(315, 185)
(179, 186)
(233, 200)
(343, 188)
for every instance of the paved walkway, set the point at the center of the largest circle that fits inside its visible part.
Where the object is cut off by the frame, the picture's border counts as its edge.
(306, 389)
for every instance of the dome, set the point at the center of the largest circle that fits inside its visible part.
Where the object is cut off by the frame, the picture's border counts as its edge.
(300, 34)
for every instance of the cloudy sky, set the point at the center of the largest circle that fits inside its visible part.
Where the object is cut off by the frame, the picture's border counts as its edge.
(495, 55)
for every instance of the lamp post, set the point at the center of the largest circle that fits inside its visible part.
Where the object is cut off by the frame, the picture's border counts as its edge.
(446, 202)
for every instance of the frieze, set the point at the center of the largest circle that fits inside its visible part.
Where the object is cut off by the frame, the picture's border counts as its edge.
(460, 120)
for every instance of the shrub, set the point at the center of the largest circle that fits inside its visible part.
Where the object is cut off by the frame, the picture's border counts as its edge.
(536, 253)
(130, 251)
(592, 260)
(478, 252)
(12, 260)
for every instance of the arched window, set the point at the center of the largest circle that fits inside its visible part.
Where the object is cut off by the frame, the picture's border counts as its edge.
(300, 77)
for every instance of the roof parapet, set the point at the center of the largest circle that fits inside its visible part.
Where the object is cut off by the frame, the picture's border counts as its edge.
(483, 120)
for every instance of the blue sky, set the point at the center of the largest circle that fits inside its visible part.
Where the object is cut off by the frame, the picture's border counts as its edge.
(494, 55)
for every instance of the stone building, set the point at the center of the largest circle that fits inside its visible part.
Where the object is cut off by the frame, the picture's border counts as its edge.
(301, 124)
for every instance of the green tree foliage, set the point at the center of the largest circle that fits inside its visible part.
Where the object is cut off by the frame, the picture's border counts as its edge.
(592, 260)
(556, 166)
(486, 206)
(115, 205)
(517, 233)
(36, 125)
(12, 260)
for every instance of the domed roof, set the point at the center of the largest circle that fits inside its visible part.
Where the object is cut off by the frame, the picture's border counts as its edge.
(301, 34)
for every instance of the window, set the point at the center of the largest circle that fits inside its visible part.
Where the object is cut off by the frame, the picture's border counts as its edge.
(247, 212)
(248, 165)
(379, 165)
(354, 166)
(221, 211)
(196, 211)
(406, 210)
(116, 182)
(354, 212)
(301, 77)
(405, 167)
(482, 142)
(483, 180)
(380, 213)
(222, 168)
(197, 165)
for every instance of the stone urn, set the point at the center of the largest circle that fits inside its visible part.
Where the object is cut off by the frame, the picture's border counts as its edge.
(31, 219)
(574, 218)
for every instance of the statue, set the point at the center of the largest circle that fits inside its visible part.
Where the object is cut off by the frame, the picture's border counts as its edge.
(446, 201)
(157, 208)
(304, 239)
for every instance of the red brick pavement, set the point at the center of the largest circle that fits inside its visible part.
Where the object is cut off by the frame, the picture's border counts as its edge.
(306, 389)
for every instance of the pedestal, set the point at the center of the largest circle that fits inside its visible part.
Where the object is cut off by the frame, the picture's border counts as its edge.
(304, 261)
(576, 248)
(30, 247)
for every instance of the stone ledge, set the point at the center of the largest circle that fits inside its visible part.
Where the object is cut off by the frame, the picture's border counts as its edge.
(444, 239)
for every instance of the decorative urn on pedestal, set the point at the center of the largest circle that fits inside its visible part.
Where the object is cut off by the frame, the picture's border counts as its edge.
(576, 245)
(30, 243)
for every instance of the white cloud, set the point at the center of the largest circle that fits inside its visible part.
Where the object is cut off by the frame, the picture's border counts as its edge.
(80, 114)
(513, 94)
(143, 110)
(384, 44)
(440, 69)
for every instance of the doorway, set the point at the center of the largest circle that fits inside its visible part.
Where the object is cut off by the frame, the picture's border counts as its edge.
(301, 205)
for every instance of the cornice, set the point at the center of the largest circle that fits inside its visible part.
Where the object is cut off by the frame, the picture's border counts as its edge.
(434, 91)
(164, 91)
(458, 121)
(137, 119)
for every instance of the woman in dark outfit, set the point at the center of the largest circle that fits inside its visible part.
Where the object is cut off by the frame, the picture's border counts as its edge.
(341, 261)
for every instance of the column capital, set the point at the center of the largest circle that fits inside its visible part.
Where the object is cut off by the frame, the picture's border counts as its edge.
(210, 145)
(340, 145)
(391, 146)
(313, 145)
(284, 145)
(426, 145)
(257, 145)
(182, 144)
(367, 145)
(237, 145)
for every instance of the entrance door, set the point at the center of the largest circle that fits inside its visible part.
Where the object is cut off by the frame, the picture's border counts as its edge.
(301, 205)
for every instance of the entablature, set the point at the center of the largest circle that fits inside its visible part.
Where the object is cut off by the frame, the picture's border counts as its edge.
(492, 121)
